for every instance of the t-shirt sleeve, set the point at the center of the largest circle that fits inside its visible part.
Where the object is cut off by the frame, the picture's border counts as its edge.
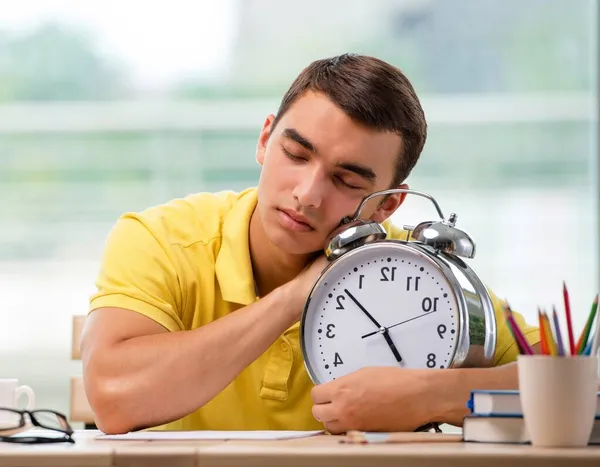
(506, 346)
(137, 272)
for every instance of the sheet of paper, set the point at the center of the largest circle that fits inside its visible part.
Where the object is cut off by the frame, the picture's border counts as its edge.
(209, 435)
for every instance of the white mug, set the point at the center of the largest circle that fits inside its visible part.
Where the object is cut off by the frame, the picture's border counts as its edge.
(558, 398)
(10, 392)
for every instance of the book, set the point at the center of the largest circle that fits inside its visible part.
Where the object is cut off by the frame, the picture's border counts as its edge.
(506, 430)
(497, 403)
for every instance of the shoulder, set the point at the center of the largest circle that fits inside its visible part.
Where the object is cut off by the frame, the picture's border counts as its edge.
(195, 218)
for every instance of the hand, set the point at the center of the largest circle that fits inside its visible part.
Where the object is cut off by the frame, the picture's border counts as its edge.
(379, 399)
(297, 289)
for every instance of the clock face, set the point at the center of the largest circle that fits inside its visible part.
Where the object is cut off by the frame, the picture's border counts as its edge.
(384, 304)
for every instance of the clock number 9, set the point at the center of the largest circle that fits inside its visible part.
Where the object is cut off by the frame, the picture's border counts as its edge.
(441, 330)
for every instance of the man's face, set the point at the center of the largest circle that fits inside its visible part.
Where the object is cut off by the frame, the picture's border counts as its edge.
(317, 166)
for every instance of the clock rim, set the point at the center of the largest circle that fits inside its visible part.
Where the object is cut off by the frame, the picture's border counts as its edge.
(462, 341)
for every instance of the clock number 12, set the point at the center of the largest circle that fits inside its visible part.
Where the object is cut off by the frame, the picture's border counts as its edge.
(384, 276)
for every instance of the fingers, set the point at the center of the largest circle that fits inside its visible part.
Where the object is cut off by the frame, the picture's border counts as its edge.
(335, 427)
(324, 413)
(322, 394)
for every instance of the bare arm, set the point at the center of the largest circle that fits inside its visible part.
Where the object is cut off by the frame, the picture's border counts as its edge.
(372, 398)
(138, 375)
(456, 386)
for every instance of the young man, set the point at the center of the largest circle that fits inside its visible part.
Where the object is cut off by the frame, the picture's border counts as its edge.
(195, 322)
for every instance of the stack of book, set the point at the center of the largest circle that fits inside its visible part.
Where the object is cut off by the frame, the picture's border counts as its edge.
(496, 417)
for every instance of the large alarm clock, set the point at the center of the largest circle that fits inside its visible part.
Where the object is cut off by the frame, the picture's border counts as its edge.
(408, 303)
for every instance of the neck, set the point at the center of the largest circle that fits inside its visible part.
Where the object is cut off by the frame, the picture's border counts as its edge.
(272, 267)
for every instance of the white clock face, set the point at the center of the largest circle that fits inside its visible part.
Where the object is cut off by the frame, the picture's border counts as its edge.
(380, 305)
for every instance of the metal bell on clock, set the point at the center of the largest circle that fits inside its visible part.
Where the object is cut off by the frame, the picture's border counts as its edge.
(444, 236)
(440, 235)
(353, 234)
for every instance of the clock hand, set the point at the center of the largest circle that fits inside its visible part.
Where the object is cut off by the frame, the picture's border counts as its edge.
(397, 324)
(393, 348)
(382, 330)
(362, 308)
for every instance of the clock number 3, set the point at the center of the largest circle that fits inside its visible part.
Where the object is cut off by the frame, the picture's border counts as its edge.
(329, 334)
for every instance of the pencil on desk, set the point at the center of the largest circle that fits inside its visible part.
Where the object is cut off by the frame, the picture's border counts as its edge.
(362, 437)
(568, 316)
(585, 334)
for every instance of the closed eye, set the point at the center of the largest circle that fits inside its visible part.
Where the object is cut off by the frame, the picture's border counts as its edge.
(338, 178)
(347, 185)
(292, 156)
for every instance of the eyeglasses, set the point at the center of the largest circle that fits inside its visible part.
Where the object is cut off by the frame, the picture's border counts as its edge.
(430, 427)
(15, 421)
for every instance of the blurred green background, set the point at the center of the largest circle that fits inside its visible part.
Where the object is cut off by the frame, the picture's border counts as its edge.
(107, 107)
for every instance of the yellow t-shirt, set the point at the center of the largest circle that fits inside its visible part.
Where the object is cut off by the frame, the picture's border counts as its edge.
(185, 264)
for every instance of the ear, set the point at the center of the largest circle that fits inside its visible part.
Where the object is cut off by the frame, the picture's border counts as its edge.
(261, 146)
(389, 205)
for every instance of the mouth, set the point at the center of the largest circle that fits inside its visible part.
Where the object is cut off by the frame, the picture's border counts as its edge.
(295, 221)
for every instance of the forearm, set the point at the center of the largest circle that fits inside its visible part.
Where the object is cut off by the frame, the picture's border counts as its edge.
(455, 386)
(150, 380)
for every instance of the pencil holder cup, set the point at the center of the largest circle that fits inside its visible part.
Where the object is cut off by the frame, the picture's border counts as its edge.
(558, 398)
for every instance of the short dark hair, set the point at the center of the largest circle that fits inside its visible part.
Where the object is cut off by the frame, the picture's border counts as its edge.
(371, 92)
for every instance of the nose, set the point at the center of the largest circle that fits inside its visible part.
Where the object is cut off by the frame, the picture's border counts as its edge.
(310, 189)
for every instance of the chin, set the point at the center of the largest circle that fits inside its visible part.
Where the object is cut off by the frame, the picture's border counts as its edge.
(294, 244)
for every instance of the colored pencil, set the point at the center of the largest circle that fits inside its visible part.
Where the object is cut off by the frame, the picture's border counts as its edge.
(585, 334)
(524, 347)
(519, 337)
(588, 349)
(558, 336)
(512, 332)
(596, 339)
(568, 316)
(550, 342)
(543, 338)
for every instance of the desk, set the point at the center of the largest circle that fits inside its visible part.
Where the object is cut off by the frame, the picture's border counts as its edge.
(316, 451)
